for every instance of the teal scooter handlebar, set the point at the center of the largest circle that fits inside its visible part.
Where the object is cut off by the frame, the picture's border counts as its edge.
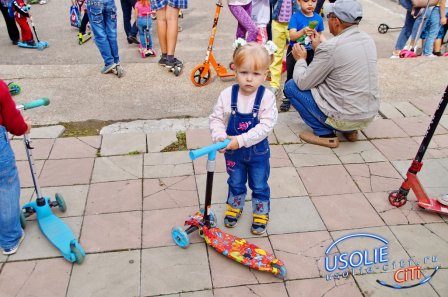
(34, 104)
(209, 149)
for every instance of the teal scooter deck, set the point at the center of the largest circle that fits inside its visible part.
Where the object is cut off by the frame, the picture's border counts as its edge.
(39, 45)
(56, 231)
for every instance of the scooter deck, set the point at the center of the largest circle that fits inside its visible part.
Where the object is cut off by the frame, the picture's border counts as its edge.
(56, 231)
(39, 45)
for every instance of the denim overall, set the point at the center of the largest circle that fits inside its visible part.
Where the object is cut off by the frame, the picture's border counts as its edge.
(10, 229)
(247, 163)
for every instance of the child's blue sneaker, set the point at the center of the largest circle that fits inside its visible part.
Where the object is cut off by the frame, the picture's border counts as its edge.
(14, 249)
(259, 223)
(108, 69)
(231, 216)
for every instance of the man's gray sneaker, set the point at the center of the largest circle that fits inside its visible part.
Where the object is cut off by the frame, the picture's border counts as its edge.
(108, 69)
(119, 70)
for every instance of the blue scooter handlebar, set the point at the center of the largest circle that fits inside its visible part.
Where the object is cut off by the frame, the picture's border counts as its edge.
(36, 103)
(208, 149)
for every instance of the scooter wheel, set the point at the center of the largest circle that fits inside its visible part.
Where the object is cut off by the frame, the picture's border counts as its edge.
(198, 78)
(61, 202)
(14, 89)
(382, 28)
(232, 66)
(213, 220)
(22, 220)
(281, 271)
(79, 257)
(397, 199)
(180, 237)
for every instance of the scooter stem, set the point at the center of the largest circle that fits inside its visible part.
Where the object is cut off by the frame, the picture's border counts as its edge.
(29, 154)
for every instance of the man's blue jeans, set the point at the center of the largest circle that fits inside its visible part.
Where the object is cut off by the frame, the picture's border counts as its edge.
(103, 21)
(10, 229)
(310, 113)
(405, 31)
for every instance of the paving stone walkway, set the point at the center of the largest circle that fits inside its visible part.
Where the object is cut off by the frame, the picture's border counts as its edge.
(124, 196)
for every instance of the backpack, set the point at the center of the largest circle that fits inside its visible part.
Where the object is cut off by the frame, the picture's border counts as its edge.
(10, 8)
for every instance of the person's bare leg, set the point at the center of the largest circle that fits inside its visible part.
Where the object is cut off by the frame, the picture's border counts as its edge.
(437, 45)
(162, 29)
(172, 17)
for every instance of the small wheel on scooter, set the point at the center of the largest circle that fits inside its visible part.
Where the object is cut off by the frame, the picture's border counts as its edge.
(382, 28)
(397, 199)
(198, 78)
(180, 237)
(61, 202)
(14, 89)
(79, 257)
(281, 271)
(22, 219)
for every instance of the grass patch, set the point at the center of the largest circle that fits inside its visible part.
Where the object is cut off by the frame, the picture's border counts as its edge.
(86, 128)
(179, 145)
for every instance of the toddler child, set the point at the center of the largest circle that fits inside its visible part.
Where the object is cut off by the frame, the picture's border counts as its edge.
(21, 15)
(246, 113)
(299, 26)
(242, 11)
(144, 23)
(11, 120)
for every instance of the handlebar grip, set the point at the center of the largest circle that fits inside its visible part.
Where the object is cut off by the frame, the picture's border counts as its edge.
(36, 103)
(208, 149)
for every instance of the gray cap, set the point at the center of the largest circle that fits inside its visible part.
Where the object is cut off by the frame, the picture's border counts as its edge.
(349, 11)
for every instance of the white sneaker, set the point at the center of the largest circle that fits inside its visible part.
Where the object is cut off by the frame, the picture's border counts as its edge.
(443, 199)
(14, 249)
(394, 57)
(42, 2)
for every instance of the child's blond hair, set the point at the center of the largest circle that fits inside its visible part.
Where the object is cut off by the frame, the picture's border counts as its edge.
(253, 53)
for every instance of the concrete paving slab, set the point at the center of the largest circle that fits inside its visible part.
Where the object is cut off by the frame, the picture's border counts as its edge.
(320, 287)
(228, 273)
(42, 148)
(116, 275)
(197, 138)
(117, 168)
(157, 141)
(383, 128)
(303, 155)
(170, 192)
(157, 225)
(36, 245)
(296, 214)
(207, 293)
(285, 135)
(421, 242)
(75, 198)
(200, 164)
(93, 141)
(279, 157)
(48, 277)
(220, 187)
(429, 107)
(388, 111)
(438, 147)
(302, 253)
(432, 175)
(410, 213)
(66, 172)
(74, 148)
(23, 167)
(438, 282)
(444, 121)
(285, 182)
(334, 209)
(272, 139)
(161, 265)
(375, 177)
(167, 164)
(358, 152)
(327, 180)
(397, 148)
(51, 132)
(121, 144)
(408, 110)
(26, 194)
(417, 126)
(114, 231)
(264, 290)
(117, 196)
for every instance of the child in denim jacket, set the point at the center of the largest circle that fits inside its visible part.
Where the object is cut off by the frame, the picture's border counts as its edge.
(246, 113)
(11, 120)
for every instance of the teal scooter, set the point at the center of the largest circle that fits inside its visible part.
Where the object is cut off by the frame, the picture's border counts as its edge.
(40, 45)
(56, 231)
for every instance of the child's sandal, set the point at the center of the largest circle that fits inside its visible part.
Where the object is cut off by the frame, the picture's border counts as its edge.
(259, 223)
(231, 216)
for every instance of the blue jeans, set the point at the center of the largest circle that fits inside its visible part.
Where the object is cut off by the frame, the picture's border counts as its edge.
(310, 113)
(145, 22)
(10, 229)
(103, 21)
(405, 31)
(434, 26)
(418, 21)
(243, 165)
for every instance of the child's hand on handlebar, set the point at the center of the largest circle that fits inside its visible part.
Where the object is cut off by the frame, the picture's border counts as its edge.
(233, 145)
(28, 124)
(224, 149)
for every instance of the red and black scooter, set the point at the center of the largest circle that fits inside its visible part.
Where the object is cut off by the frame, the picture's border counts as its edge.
(399, 198)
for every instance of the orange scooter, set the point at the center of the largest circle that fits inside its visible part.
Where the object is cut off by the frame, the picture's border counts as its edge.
(201, 74)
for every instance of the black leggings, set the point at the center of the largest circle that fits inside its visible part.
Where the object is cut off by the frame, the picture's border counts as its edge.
(290, 62)
(84, 22)
(11, 26)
